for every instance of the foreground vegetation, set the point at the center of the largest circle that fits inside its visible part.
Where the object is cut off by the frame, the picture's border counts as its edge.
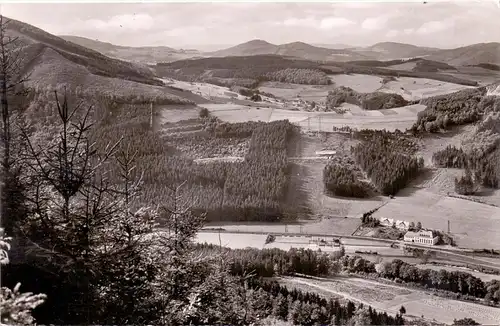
(98, 260)
(275, 262)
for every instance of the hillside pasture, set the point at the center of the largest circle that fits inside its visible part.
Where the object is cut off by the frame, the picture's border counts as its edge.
(204, 90)
(360, 83)
(473, 225)
(290, 92)
(390, 298)
(413, 89)
(50, 70)
(481, 75)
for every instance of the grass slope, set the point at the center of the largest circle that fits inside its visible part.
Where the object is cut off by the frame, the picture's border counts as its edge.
(33, 41)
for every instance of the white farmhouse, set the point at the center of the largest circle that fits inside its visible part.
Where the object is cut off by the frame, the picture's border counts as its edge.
(421, 237)
(402, 225)
(386, 221)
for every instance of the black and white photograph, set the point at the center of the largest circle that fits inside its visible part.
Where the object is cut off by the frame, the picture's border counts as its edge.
(250, 163)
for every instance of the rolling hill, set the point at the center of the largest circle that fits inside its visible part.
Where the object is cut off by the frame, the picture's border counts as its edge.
(475, 54)
(299, 50)
(52, 62)
(145, 54)
(254, 47)
(483, 53)
(394, 50)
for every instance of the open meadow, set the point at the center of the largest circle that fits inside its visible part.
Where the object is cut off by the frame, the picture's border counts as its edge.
(390, 298)
(409, 87)
(412, 89)
(389, 119)
(473, 225)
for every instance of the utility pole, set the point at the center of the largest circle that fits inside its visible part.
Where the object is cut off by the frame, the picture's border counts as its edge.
(319, 125)
(151, 115)
(448, 226)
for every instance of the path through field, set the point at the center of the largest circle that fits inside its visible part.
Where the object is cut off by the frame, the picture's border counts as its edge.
(390, 298)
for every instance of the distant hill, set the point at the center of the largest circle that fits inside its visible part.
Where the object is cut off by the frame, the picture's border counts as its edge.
(254, 47)
(145, 54)
(335, 46)
(296, 50)
(482, 53)
(394, 50)
(52, 62)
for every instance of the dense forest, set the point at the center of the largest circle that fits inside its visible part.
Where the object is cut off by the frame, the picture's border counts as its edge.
(250, 190)
(299, 76)
(367, 101)
(481, 159)
(455, 109)
(340, 180)
(387, 161)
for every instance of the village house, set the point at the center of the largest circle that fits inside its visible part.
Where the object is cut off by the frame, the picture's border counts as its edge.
(389, 222)
(402, 225)
(386, 221)
(421, 237)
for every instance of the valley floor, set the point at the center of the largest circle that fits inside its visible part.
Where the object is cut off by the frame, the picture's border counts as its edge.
(389, 298)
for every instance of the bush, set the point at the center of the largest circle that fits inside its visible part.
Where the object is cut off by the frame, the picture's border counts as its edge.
(465, 185)
(204, 113)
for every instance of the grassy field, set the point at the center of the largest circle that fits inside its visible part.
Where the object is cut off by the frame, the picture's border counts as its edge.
(290, 92)
(473, 225)
(409, 88)
(360, 83)
(390, 119)
(417, 88)
(390, 298)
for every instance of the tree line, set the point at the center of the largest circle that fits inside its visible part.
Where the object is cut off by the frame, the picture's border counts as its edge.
(302, 308)
(275, 262)
(456, 281)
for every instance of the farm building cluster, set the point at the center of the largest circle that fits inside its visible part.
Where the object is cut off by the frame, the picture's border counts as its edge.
(422, 237)
(399, 224)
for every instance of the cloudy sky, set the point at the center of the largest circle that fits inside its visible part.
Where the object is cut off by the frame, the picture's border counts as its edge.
(441, 24)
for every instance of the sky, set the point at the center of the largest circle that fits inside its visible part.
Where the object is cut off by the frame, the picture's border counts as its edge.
(210, 25)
